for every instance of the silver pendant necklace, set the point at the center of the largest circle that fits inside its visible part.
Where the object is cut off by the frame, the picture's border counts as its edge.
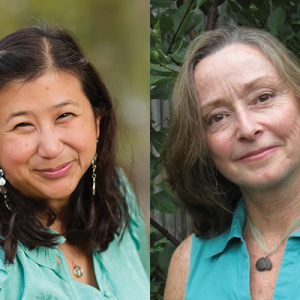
(77, 270)
(264, 263)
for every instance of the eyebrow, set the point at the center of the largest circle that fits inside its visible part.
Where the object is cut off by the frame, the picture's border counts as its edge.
(247, 86)
(28, 113)
(265, 80)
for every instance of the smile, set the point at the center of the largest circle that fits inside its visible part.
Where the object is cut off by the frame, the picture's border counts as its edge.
(56, 172)
(258, 154)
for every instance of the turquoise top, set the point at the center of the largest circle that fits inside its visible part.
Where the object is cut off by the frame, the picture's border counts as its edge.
(220, 267)
(122, 271)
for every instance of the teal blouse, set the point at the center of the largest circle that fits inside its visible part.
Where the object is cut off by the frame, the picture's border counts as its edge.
(122, 271)
(220, 267)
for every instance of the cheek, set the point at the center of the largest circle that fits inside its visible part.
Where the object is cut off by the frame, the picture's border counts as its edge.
(15, 152)
(287, 124)
(81, 138)
(220, 147)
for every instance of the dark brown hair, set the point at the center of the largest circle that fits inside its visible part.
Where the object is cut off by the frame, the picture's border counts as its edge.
(88, 220)
(208, 196)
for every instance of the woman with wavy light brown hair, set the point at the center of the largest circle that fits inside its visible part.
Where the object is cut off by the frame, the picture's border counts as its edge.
(70, 225)
(233, 158)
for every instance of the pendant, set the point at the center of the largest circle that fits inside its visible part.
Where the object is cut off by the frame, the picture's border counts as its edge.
(263, 264)
(77, 271)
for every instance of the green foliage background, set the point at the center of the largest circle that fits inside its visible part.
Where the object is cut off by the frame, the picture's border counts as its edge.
(174, 24)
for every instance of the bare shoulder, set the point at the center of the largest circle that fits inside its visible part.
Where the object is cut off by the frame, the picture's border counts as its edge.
(179, 271)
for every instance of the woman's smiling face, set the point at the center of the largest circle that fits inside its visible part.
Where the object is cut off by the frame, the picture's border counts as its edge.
(252, 118)
(48, 135)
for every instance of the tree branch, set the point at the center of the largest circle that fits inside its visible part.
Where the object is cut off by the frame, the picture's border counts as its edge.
(178, 29)
(212, 15)
(164, 232)
(193, 31)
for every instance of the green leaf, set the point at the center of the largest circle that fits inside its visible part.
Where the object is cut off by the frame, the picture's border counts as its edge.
(154, 170)
(157, 249)
(262, 12)
(282, 3)
(157, 56)
(243, 18)
(173, 67)
(157, 139)
(296, 18)
(165, 187)
(164, 202)
(253, 7)
(195, 19)
(297, 35)
(169, 68)
(166, 23)
(178, 15)
(155, 287)
(156, 35)
(161, 3)
(152, 229)
(286, 32)
(200, 2)
(179, 55)
(276, 20)
(165, 257)
(157, 80)
(161, 241)
(162, 92)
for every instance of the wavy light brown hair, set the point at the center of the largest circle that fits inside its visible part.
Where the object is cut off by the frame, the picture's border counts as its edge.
(88, 220)
(208, 196)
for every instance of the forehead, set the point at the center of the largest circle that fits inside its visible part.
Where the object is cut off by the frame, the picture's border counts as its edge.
(235, 65)
(51, 87)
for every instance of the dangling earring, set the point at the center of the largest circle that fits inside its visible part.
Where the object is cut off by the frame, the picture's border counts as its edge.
(94, 166)
(3, 189)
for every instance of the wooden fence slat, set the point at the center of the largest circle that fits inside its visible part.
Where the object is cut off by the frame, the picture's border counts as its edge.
(179, 226)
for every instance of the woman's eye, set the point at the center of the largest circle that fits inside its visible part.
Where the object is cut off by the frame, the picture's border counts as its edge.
(24, 124)
(215, 118)
(264, 97)
(64, 115)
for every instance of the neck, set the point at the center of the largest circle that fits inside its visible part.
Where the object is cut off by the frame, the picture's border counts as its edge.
(273, 210)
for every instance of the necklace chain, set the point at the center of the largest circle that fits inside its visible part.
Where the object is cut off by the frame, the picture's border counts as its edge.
(260, 240)
(77, 270)
(264, 263)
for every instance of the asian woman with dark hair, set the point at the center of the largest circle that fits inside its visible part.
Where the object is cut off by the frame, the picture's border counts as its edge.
(69, 223)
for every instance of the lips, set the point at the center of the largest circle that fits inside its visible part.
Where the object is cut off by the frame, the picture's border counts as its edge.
(54, 169)
(257, 153)
(56, 172)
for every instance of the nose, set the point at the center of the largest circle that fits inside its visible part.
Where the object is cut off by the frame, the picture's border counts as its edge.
(248, 127)
(50, 145)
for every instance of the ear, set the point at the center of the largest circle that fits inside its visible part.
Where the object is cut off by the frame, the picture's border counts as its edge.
(98, 119)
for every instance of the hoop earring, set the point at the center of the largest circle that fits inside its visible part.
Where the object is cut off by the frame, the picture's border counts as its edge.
(3, 189)
(94, 166)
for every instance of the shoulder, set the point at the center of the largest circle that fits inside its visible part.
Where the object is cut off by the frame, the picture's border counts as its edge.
(179, 271)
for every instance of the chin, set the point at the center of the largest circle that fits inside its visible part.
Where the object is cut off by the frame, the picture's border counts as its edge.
(261, 182)
(63, 192)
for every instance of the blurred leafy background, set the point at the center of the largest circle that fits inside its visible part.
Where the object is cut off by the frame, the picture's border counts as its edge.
(173, 25)
(114, 36)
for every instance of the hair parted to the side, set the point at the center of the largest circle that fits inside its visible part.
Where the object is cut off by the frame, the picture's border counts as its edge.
(208, 196)
(89, 220)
